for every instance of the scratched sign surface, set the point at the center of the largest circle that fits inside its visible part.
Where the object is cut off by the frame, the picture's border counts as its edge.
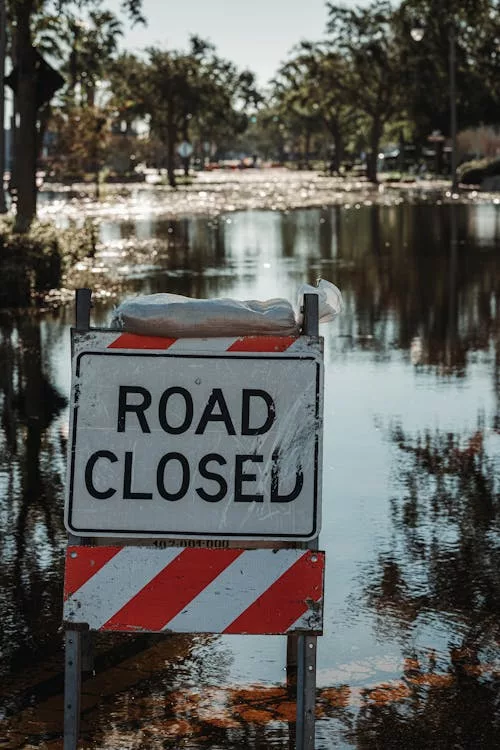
(214, 438)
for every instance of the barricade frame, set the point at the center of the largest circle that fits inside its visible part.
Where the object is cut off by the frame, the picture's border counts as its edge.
(301, 654)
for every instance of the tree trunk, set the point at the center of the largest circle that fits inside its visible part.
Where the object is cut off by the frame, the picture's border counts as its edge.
(3, 40)
(338, 144)
(185, 135)
(26, 142)
(372, 159)
(401, 157)
(171, 138)
(307, 148)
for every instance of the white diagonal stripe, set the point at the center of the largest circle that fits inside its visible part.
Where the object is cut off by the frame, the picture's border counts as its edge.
(115, 584)
(233, 591)
(201, 345)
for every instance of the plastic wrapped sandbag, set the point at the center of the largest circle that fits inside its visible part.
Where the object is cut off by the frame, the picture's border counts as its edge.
(175, 316)
(330, 301)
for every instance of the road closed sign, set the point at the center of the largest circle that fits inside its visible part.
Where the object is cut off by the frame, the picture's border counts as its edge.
(195, 438)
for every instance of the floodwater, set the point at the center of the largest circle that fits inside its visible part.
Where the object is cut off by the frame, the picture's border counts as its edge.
(410, 657)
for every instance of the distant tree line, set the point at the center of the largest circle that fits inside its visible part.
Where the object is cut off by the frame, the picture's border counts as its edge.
(381, 72)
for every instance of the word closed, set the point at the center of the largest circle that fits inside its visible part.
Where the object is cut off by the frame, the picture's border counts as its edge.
(192, 445)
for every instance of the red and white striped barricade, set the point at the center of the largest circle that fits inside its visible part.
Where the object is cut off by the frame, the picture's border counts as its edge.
(178, 446)
(194, 590)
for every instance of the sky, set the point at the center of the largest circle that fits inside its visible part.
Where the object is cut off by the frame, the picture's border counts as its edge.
(254, 34)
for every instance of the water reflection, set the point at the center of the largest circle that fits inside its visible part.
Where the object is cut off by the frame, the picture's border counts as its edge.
(445, 523)
(419, 283)
(31, 464)
(416, 277)
(410, 655)
(440, 572)
(457, 709)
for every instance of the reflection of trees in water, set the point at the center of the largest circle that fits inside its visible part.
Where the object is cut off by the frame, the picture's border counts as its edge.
(418, 276)
(193, 245)
(442, 572)
(189, 712)
(160, 708)
(448, 519)
(457, 709)
(420, 279)
(31, 465)
(169, 255)
(496, 380)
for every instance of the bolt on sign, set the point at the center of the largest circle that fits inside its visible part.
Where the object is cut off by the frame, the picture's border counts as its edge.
(195, 438)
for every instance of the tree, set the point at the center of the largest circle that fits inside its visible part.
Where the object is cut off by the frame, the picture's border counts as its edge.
(227, 98)
(295, 95)
(25, 138)
(322, 83)
(266, 134)
(426, 64)
(195, 90)
(29, 90)
(365, 38)
(126, 76)
(81, 138)
(93, 45)
(339, 113)
(171, 93)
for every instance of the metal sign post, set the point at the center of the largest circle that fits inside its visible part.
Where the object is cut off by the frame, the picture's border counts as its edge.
(307, 645)
(73, 637)
(196, 440)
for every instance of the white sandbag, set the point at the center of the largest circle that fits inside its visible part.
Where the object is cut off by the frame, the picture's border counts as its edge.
(177, 316)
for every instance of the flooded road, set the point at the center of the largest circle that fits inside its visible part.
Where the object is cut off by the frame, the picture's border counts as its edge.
(410, 657)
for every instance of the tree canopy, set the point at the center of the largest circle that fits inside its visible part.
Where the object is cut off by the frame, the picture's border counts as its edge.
(369, 78)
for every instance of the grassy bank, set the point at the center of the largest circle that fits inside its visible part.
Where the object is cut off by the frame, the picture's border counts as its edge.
(31, 264)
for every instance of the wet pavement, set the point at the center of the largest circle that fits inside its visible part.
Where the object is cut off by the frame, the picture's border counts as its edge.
(410, 658)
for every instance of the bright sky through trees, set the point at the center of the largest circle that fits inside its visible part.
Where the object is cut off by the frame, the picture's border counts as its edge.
(255, 34)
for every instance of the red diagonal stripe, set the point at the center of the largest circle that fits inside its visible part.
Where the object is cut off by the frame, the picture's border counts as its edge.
(87, 562)
(135, 341)
(285, 601)
(262, 344)
(172, 589)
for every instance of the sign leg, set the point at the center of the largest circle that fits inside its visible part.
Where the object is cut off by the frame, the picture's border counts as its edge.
(78, 645)
(82, 309)
(72, 688)
(291, 685)
(306, 691)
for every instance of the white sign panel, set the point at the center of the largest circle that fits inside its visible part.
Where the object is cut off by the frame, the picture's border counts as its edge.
(194, 443)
